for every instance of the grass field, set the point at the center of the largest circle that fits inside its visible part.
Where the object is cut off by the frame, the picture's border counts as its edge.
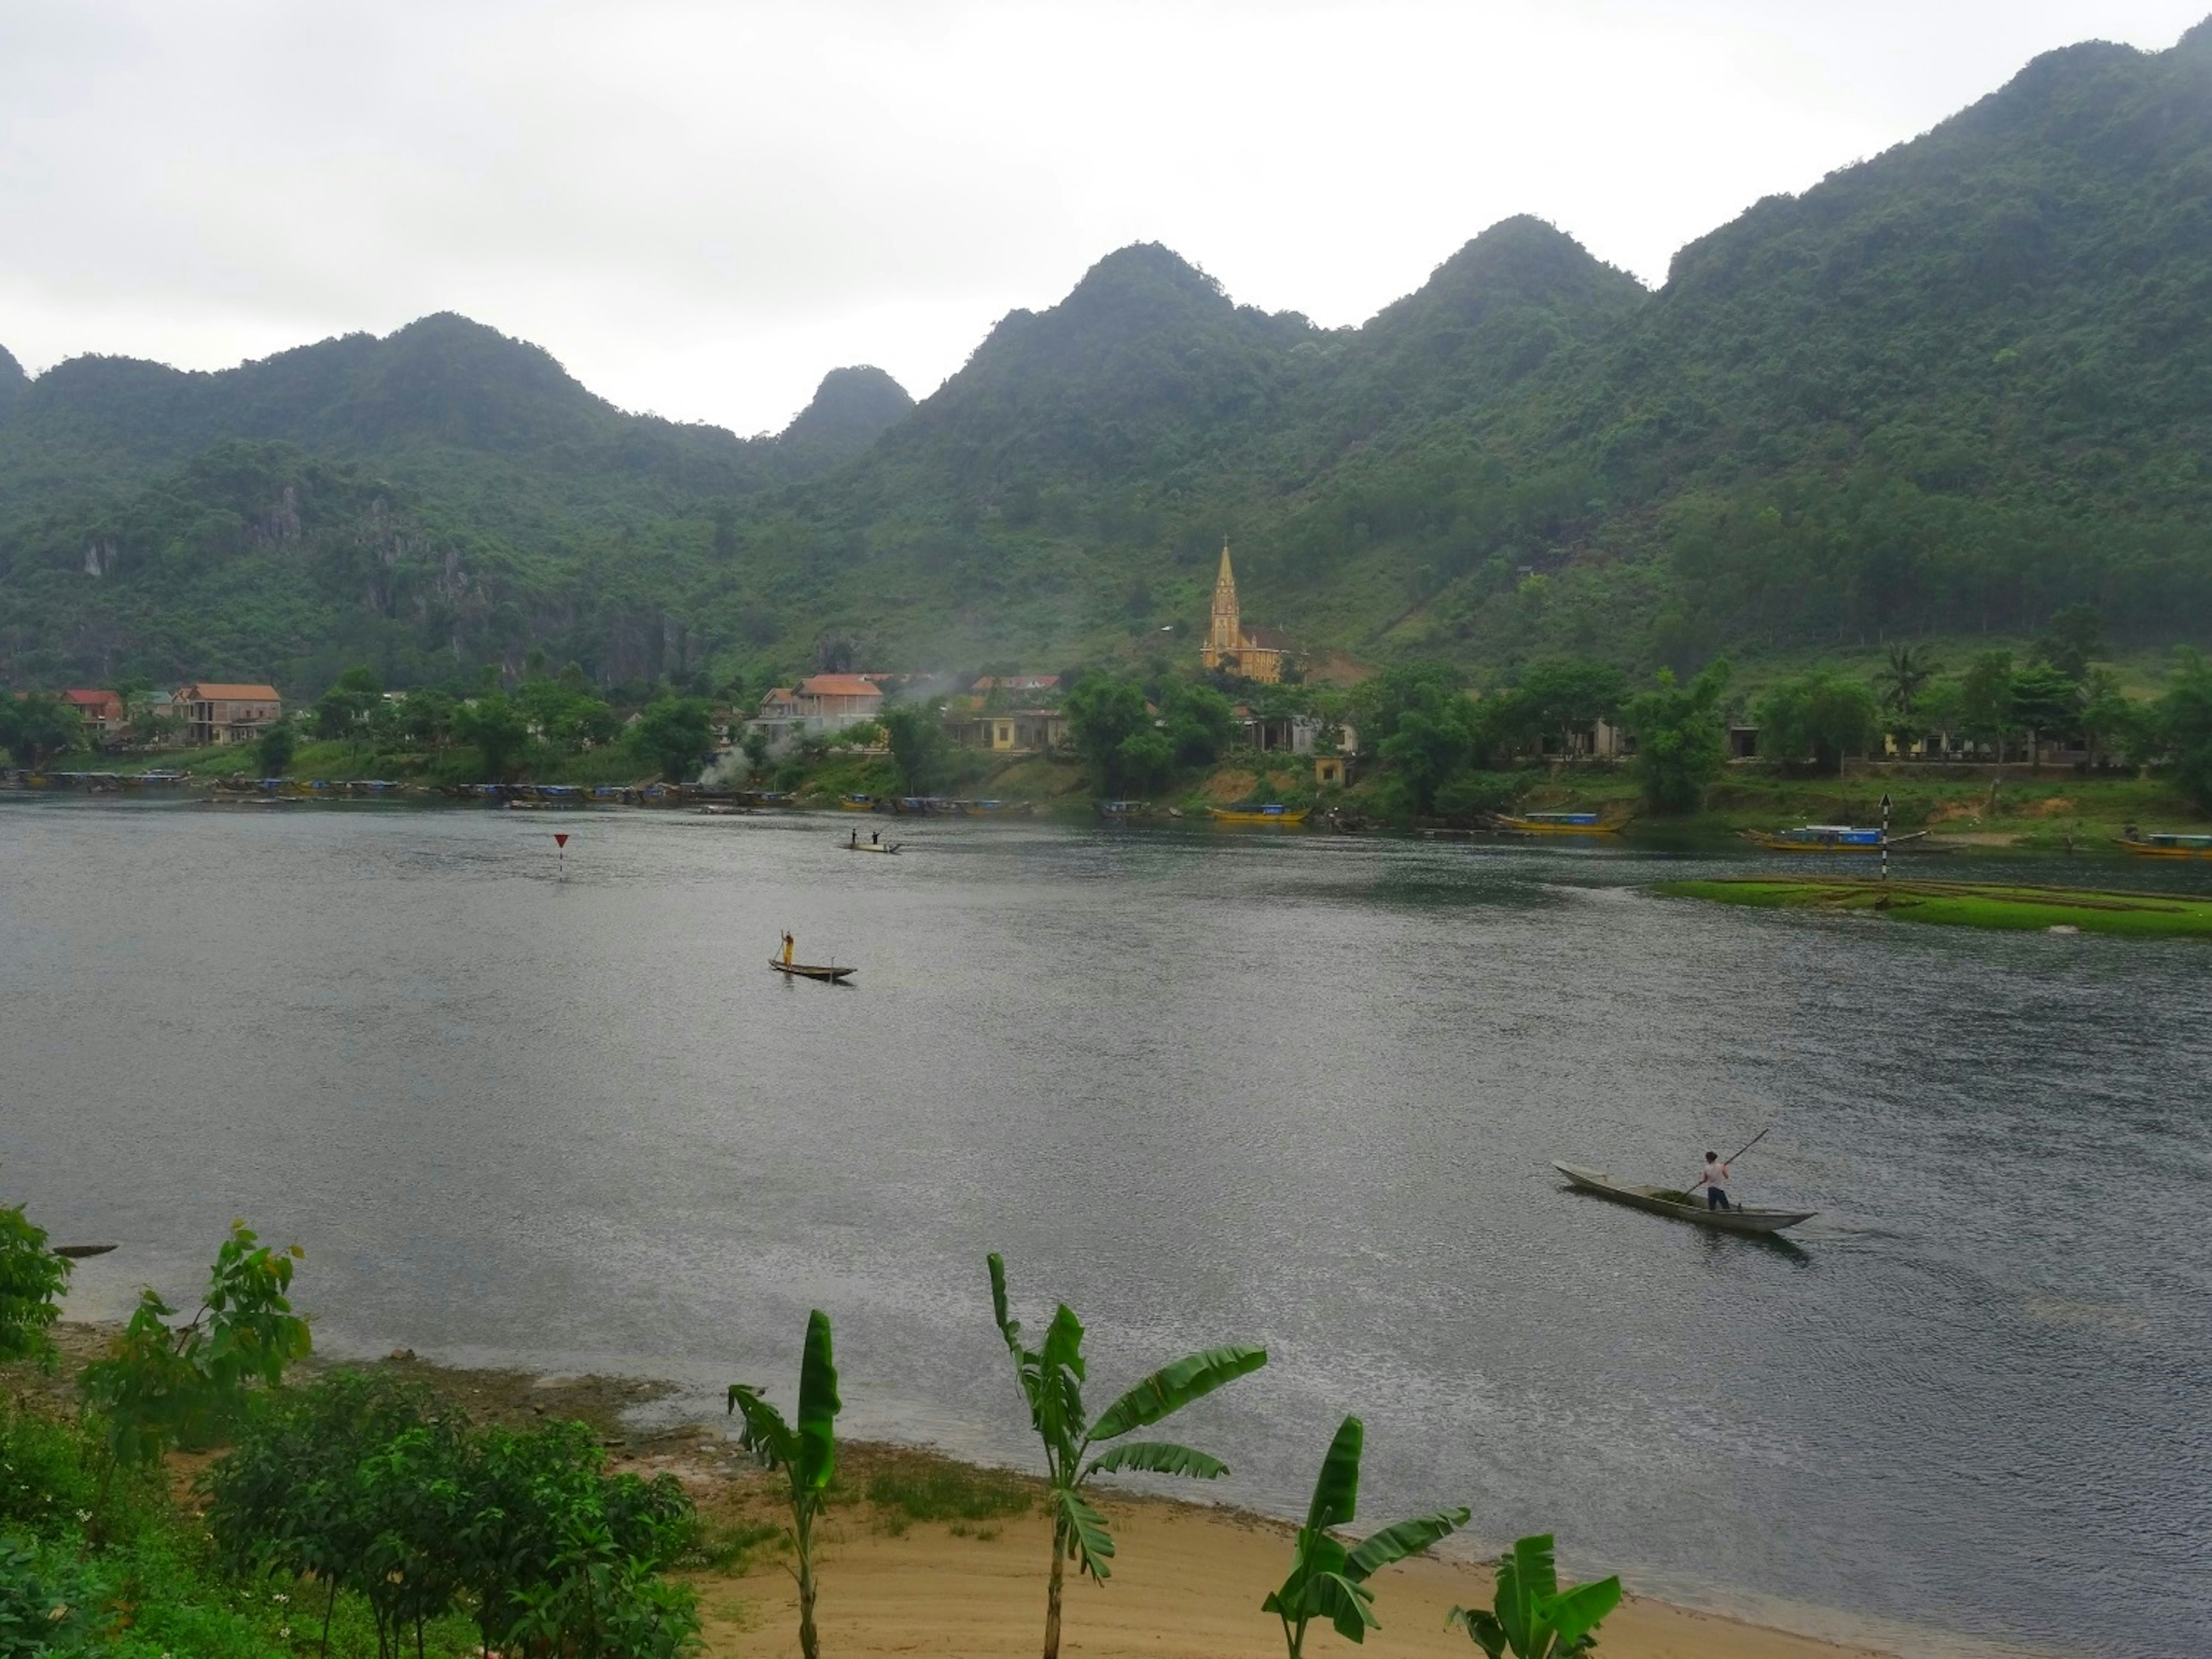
(1967, 904)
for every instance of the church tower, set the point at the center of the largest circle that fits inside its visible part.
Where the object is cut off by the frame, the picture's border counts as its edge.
(1227, 637)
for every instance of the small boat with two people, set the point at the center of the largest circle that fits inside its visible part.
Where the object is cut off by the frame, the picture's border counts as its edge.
(875, 843)
(783, 964)
(1682, 1205)
(2165, 844)
(1831, 838)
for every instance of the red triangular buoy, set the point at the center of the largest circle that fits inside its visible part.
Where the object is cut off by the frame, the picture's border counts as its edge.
(560, 840)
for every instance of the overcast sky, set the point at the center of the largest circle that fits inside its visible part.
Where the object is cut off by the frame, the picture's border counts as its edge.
(700, 208)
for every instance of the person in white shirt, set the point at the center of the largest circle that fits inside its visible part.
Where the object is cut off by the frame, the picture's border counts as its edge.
(1715, 1182)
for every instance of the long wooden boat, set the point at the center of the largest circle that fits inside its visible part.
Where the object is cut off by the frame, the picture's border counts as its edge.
(1268, 814)
(2160, 844)
(857, 803)
(1656, 1200)
(1556, 824)
(1828, 838)
(810, 970)
(81, 1252)
(873, 846)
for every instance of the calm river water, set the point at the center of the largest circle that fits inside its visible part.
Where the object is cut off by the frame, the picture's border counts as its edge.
(1293, 1088)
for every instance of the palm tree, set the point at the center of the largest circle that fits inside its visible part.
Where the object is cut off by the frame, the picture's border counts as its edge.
(1531, 1617)
(806, 1454)
(1052, 1383)
(1902, 678)
(1328, 1581)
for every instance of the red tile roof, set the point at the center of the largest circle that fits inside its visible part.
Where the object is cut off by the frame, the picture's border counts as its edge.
(840, 685)
(210, 691)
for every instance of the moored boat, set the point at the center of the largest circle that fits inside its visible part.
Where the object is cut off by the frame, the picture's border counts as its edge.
(1828, 838)
(2163, 844)
(858, 802)
(1556, 824)
(1669, 1201)
(1273, 812)
(810, 970)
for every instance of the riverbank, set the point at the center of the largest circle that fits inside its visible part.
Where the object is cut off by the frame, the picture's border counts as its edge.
(1965, 904)
(924, 1554)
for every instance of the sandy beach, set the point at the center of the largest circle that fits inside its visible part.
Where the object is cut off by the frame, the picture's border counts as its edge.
(1188, 1584)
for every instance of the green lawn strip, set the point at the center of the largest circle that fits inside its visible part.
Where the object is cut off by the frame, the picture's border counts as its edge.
(1967, 904)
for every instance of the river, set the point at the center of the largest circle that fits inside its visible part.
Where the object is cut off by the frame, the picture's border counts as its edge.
(1295, 1089)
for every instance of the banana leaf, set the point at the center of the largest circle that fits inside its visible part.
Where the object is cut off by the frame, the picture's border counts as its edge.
(816, 1440)
(1173, 1387)
(1158, 1457)
(1396, 1542)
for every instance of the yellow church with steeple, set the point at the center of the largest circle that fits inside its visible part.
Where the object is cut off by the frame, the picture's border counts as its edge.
(1258, 654)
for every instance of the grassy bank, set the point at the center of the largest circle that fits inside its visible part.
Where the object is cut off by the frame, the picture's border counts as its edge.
(1966, 904)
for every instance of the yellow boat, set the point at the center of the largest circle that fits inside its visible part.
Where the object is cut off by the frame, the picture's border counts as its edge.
(2159, 845)
(1271, 814)
(1556, 824)
(857, 803)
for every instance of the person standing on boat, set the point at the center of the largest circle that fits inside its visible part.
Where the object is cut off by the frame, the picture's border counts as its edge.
(789, 943)
(1714, 1180)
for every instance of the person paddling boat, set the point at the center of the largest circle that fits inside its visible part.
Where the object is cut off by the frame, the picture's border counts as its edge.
(1714, 1178)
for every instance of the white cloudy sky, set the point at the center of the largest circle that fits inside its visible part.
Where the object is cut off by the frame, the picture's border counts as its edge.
(699, 208)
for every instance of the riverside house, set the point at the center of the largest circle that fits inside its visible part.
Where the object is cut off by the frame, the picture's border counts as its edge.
(101, 713)
(215, 712)
(819, 706)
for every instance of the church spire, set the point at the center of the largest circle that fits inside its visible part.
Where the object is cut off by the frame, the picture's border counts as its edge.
(1225, 634)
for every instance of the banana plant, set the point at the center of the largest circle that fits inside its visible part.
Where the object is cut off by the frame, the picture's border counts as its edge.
(807, 1454)
(1052, 1379)
(1534, 1619)
(1328, 1581)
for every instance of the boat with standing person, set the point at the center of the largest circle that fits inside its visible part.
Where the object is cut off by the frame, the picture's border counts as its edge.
(1681, 1206)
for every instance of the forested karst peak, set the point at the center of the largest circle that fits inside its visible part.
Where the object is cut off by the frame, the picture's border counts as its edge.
(1949, 389)
(851, 408)
(13, 381)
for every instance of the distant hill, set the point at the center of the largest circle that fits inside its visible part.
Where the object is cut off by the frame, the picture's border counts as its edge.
(1949, 389)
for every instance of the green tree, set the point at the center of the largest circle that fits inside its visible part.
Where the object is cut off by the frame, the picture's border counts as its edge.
(426, 717)
(31, 1279)
(1985, 703)
(1821, 717)
(36, 726)
(2110, 720)
(1682, 738)
(1328, 1580)
(1201, 723)
(2182, 723)
(2045, 702)
(161, 1385)
(673, 734)
(565, 714)
(274, 749)
(2070, 641)
(1052, 1378)
(343, 711)
(806, 1453)
(918, 748)
(1900, 681)
(1560, 695)
(1113, 731)
(492, 726)
(1530, 1617)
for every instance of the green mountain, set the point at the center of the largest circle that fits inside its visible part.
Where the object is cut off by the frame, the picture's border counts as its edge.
(1948, 390)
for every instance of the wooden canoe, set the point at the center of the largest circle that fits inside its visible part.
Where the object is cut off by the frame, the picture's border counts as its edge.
(1651, 1198)
(873, 846)
(810, 970)
(79, 1252)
